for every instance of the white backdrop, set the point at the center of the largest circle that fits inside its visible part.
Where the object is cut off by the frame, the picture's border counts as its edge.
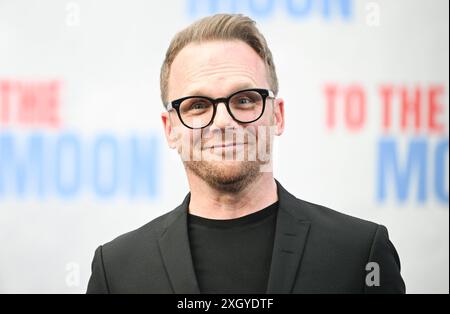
(82, 153)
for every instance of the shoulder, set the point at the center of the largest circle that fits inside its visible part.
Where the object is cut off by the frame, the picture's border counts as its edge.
(332, 218)
(140, 239)
(340, 234)
(327, 225)
(345, 245)
(323, 218)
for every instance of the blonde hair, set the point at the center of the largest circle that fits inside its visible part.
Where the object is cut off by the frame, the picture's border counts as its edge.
(219, 27)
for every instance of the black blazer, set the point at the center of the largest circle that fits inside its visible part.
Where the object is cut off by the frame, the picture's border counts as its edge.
(316, 250)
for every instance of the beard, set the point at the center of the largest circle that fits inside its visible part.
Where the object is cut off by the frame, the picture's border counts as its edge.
(226, 176)
(231, 174)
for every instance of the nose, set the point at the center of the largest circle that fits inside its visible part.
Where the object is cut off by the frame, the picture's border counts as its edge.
(222, 119)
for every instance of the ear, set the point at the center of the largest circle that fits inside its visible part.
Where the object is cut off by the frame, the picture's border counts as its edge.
(169, 130)
(278, 114)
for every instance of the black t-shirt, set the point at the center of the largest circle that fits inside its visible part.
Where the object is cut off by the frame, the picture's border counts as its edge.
(233, 255)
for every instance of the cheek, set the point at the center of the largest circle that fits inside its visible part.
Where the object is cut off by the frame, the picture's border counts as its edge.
(191, 140)
(182, 137)
(197, 137)
(264, 124)
(265, 129)
(268, 116)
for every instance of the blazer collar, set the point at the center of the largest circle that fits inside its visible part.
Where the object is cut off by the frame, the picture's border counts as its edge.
(290, 237)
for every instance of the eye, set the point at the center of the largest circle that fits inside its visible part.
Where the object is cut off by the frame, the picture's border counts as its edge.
(195, 105)
(198, 106)
(244, 101)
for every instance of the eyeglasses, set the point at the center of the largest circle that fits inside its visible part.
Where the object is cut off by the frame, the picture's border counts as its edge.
(198, 112)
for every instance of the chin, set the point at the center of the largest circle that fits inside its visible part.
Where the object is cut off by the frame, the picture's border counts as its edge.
(232, 166)
(230, 176)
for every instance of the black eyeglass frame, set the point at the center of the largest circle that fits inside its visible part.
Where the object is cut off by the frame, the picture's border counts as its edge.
(265, 93)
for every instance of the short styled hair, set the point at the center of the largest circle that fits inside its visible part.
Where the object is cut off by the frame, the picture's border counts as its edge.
(219, 27)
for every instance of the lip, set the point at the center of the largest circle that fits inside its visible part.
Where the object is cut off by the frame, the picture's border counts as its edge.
(223, 146)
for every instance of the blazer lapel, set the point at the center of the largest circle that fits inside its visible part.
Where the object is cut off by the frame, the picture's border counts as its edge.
(290, 237)
(176, 253)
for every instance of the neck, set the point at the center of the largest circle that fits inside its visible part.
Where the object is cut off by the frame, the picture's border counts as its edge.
(211, 203)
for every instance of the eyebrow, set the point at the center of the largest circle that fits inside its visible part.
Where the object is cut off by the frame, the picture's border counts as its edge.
(236, 88)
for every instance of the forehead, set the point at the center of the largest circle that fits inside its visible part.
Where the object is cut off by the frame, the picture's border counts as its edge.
(215, 68)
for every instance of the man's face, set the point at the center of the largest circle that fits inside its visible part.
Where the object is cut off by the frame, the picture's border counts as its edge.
(218, 69)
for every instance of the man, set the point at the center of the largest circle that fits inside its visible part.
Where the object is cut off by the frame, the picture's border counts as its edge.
(238, 230)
